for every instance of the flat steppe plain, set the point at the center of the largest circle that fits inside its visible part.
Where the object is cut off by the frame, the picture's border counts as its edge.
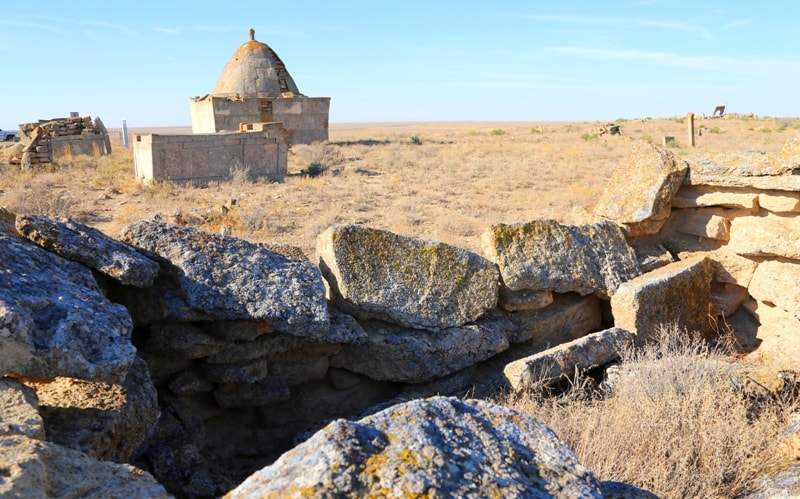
(441, 181)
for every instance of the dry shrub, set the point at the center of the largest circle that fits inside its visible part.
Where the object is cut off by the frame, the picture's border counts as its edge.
(680, 422)
(44, 199)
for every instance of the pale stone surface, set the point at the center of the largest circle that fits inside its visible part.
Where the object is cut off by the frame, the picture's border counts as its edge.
(105, 421)
(678, 294)
(749, 169)
(446, 446)
(778, 334)
(704, 224)
(231, 279)
(90, 247)
(770, 235)
(37, 469)
(397, 353)
(545, 255)
(524, 299)
(701, 196)
(407, 281)
(19, 410)
(640, 190)
(55, 320)
(778, 283)
(570, 316)
(564, 360)
(651, 255)
(728, 266)
(727, 297)
(780, 202)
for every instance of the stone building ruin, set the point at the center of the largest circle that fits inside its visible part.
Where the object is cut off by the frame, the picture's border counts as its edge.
(247, 123)
(43, 141)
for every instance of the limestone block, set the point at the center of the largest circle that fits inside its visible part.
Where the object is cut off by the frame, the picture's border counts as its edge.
(777, 336)
(564, 360)
(236, 330)
(397, 353)
(770, 235)
(640, 190)
(748, 169)
(182, 340)
(545, 255)
(704, 224)
(34, 468)
(702, 196)
(275, 346)
(90, 247)
(300, 371)
(233, 279)
(250, 371)
(790, 153)
(778, 283)
(728, 266)
(727, 298)
(524, 299)
(780, 202)
(570, 316)
(55, 320)
(189, 382)
(19, 410)
(403, 451)
(678, 294)
(651, 255)
(407, 281)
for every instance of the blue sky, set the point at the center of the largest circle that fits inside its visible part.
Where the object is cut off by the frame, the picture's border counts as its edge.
(406, 61)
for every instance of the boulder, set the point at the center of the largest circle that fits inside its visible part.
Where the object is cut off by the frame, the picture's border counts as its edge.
(570, 316)
(19, 410)
(778, 284)
(678, 294)
(54, 319)
(397, 353)
(779, 201)
(406, 281)
(545, 255)
(438, 446)
(90, 247)
(727, 297)
(640, 191)
(33, 468)
(770, 235)
(105, 421)
(748, 169)
(704, 224)
(233, 279)
(567, 359)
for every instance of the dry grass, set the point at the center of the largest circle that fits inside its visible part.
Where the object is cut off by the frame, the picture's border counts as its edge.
(684, 420)
(440, 181)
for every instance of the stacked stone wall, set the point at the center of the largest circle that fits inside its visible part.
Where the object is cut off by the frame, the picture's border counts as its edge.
(45, 140)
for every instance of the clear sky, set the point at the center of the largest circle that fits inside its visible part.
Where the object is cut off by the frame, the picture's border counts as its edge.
(406, 61)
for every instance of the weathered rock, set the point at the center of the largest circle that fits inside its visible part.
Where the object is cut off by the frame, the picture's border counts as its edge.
(640, 191)
(183, 340)
(396, 353)
(251, 394)
(234, 279)
(189, 382)
(564, 360)
(617, 490)
(704, 224)
(250, 371)
(701, 196)
(568, 317)
(545, 255)
(790, 154)
(105, 421)
(750, 169)
(777, 333)
(524, 299)
(271, 345)
(55, 321)
(727, 297)
(771, 235)
(33, 468)
(300, 371)
(728, 266)
(162, 368)
(780, 201)
(651, 256)
(411, 282)
(778, 283)
(162, 302)
(784, 483)
(19, 410)
(90, 247)
(678, 294)
(236, 330)
(440, 446)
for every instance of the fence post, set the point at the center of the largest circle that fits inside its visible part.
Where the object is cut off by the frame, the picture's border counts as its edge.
(690, 127)
(125, 134)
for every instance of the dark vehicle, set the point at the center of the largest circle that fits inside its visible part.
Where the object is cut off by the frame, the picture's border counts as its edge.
(5, 135)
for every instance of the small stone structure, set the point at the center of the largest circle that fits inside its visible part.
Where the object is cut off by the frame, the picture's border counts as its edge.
(45, 140)
(255, 86)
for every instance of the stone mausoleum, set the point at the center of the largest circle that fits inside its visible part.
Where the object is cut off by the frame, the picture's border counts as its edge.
(256, 87)
(247, 123)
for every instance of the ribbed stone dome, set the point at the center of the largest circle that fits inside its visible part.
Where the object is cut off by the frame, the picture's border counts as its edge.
(254, 70)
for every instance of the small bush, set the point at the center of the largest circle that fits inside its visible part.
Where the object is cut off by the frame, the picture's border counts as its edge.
(416, 140)
(672, 143)
(765, 130)
(589, 136)
(497, 131)
(714, 130)
(646, 138)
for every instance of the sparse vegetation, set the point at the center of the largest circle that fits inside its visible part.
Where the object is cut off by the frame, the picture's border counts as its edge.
(497, 131)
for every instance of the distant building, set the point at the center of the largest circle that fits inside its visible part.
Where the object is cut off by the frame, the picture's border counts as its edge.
(256, 87)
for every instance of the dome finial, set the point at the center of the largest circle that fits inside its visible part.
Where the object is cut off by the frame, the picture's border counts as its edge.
(252, 34)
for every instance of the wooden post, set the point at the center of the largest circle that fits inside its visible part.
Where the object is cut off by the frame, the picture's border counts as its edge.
(690, 127)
